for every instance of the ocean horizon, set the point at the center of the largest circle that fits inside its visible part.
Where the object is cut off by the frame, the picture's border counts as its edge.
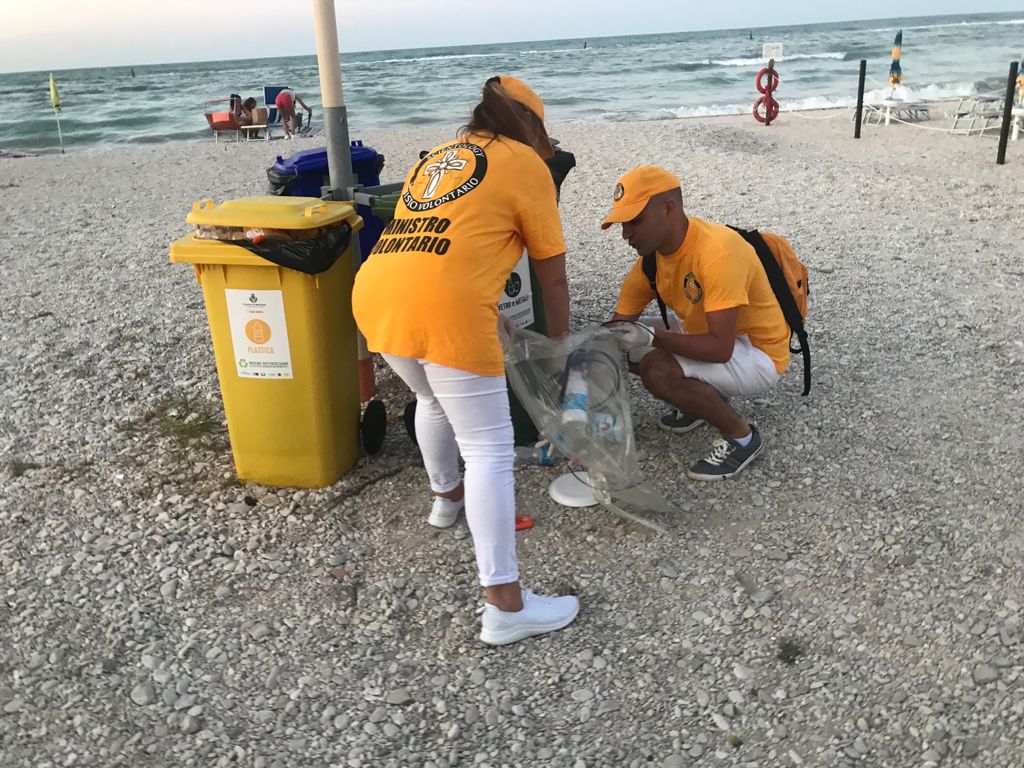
(659, 76)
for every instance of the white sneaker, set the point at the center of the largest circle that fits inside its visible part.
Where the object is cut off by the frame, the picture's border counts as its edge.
(539, 616)
(445, 512)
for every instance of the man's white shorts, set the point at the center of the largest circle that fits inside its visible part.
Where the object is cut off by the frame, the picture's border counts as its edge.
(749, 371)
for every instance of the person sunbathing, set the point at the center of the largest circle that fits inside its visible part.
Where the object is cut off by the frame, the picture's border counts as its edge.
(243, 110)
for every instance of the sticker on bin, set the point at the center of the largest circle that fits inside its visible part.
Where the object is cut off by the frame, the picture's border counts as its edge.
(516, 303)
(259, 334)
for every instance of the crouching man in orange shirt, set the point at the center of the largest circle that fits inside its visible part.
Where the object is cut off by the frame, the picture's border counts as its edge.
(727, 336)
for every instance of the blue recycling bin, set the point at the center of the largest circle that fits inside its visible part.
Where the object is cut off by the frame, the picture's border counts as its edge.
(306, 171)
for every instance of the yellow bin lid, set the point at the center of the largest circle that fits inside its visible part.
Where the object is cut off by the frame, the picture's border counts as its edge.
(270, 211)
(262, 211)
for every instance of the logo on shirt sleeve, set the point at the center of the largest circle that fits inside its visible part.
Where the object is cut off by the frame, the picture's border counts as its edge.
(445, 175)
(692, 289)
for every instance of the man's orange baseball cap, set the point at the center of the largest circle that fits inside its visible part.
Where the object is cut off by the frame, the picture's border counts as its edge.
(522, 93)
(635, 189)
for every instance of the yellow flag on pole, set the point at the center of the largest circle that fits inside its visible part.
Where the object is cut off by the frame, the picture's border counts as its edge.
(54, 96)
(55, 100)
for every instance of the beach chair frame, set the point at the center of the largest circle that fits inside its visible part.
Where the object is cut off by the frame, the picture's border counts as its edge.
(229, 124)
(251, 132)
(977, 113)
(232, 125)
(904, 111)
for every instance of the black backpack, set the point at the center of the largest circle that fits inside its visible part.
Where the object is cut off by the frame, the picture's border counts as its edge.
(780, 287)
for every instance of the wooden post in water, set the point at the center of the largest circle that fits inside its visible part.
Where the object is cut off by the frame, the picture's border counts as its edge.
(860, 98)
(1004, 131)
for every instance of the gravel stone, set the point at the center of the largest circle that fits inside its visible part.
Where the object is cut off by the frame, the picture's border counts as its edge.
(971, 748)
(985, 674)
(142, 694)
(399, 697)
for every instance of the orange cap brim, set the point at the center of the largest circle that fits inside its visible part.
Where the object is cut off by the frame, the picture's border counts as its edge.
(624, 213)
(523, 93)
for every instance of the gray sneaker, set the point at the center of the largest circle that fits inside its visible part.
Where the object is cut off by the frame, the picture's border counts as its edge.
(727, 458)
(678, 422)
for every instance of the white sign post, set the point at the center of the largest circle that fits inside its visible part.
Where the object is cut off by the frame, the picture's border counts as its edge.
(771, 51)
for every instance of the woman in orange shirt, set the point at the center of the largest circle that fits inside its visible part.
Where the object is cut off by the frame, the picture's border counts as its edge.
(427, 297)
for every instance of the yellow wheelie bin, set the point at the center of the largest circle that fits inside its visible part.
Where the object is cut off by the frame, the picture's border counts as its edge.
(277, 283)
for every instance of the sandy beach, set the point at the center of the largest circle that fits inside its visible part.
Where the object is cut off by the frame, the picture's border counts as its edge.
(854, 598)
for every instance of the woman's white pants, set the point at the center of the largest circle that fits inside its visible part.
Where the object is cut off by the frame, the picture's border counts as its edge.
(461, 412)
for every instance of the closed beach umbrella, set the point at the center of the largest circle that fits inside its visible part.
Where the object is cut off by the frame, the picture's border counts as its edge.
(895, 73)
(55, 101)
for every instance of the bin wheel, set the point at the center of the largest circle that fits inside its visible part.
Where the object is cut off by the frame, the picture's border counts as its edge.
(410, 421)
(373, 427)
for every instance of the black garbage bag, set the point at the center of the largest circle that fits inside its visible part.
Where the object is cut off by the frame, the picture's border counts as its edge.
(311, 256)
(281, 183)
(560, 164)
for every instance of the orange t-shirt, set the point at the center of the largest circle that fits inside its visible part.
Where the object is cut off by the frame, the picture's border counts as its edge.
(714, 269)
(431, 285)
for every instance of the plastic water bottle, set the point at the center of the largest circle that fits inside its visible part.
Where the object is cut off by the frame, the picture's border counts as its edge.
(575, 401)
(606, 426)
(540, 454)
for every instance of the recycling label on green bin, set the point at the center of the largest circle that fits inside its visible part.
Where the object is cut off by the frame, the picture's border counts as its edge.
(259, 335)
(516, 305)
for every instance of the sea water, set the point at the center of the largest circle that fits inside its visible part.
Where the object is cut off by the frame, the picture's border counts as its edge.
(640, 77)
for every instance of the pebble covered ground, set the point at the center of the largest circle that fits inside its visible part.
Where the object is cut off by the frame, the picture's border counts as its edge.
(853, 599)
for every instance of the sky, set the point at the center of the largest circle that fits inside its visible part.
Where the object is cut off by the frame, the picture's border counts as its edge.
(39, 35)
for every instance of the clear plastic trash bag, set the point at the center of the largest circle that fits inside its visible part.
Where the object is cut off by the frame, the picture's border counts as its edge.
(577, 393)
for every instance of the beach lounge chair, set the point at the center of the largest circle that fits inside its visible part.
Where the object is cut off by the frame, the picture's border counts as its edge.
(221, 122)
(917, 111)
(868, 114)
(977, 113)
(904, 112)
(259, 123)
(889, 110)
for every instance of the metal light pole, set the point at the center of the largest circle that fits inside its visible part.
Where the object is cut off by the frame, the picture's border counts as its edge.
(328, 60)
(339, 160)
